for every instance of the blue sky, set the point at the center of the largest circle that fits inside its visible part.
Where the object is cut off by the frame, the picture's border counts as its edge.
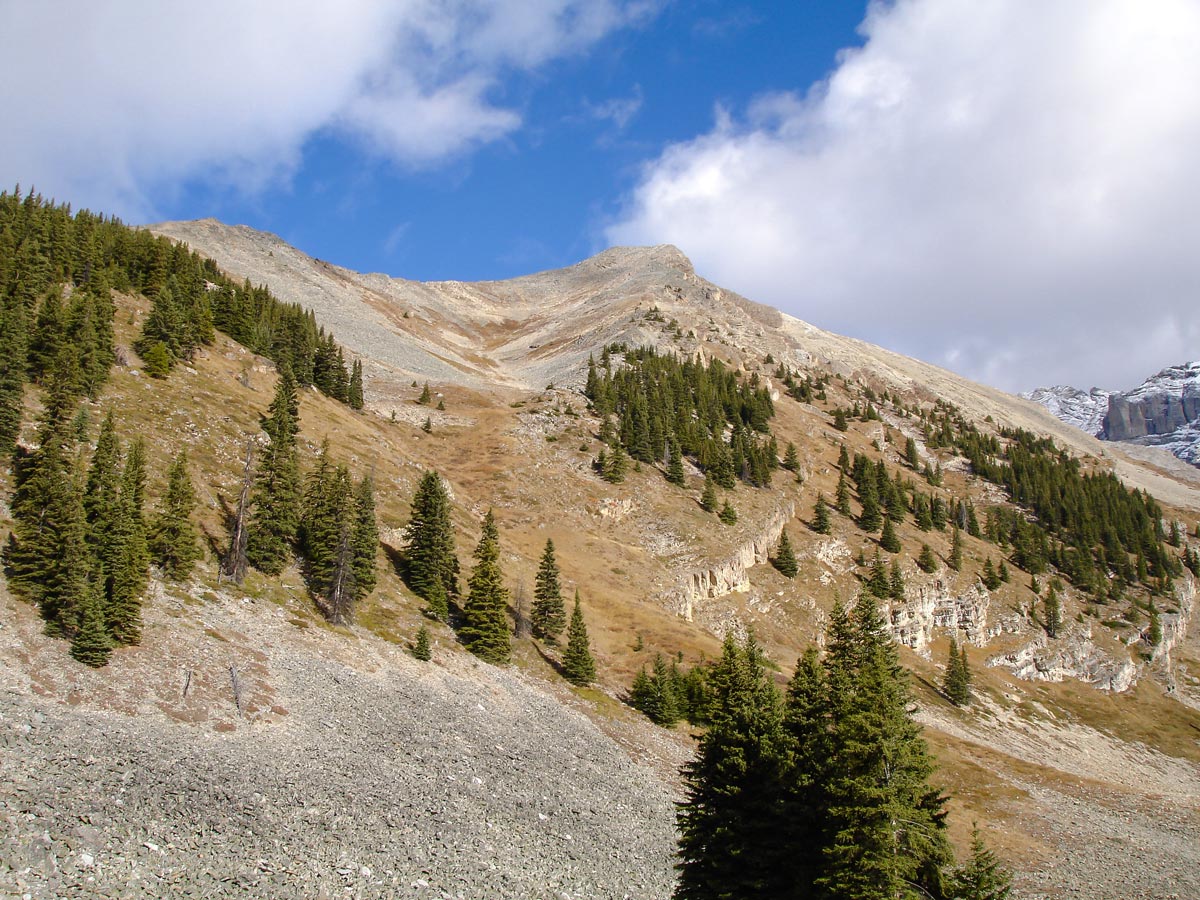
(1003, 188)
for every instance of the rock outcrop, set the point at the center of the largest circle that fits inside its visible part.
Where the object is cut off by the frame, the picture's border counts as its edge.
(1083, 409)
(934, 606)
(732, 574)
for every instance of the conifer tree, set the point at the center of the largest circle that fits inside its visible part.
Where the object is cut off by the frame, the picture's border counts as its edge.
(276, 499)
(982, 877)
(926, 562)
(12, 371)
(878, 584)
(1154, 632)
(1053, 611)
(842, 497)
(955, 561)
(870, 518)
(990, 577)
(156, 361)
(956, 684)
(654, 694)
(578, 666)
(422, 649)
(675, 473)
(728, 514)
(888, 539)
(426, 395)
(485, 630)
(548, 616)
(791, 459)
(730, 820)
(615, 466)
(431, 566)
(785, 557)
(364, 538)
(910, 454)
(91, 644)
(174, 541)
(708, 498)
(130, 559)
(354, 394)
(821, 523)
(896, 582)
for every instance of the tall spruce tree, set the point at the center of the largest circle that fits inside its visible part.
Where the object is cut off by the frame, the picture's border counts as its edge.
(276, 498)
(174, 539)
(729, 822)
(364, 538)
(13, 334)
(785, 557)
(675, 473)
(430, 563)
(578, 665)
(982, 877)
(888, 539)
(354, 394)
(821, 523)
(549, 617)
(128, 574)
(957, 682)
(485, 630)
(842, 497)
(956, 554)
(91, 644)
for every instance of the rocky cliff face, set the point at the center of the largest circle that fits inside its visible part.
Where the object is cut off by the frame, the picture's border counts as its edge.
(1164, 411)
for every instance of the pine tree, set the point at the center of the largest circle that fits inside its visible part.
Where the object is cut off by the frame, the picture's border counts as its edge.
(430, 563)
(983, 877)
(485, 629)
(956, 559)
(926, 562)
(129, 571)
(821, 523)
(884, 826)
(791, 459)
(578, 666)
(422, 649)
(1053, 612)
(990, 577)
(91, 644)
(910, 454)
(276, 499)
(364, 538)
(614, 468)
(888, 539)
(842, 497)
(174, 541)
(878, 584)
(427, 425)
(675, 473)
(548, 617)
(896, 582)
(785, 557)
(1154, 632)
(733, 811)
(708, 498)
(426, 395)
(12, 371)
(956, 684)
(728, 514)
(354, 394)
(870, 518)
(156, 361)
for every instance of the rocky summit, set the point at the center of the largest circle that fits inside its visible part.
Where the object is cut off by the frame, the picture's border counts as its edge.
(240, 735)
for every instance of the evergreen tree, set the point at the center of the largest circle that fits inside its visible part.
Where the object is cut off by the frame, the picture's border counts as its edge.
(926, 562)
(354, 394)
(821, 523)
(156, 361)
(91, 644)
(842, 497)
(791, 459)
(364, 538)
(956, 684)
(888, 539)
(729, 821)
(12, 371)
(430, 564)
(654, 694)
(879, 584)
(870, 518)
(675, 473)
(1154, 632)
(548, 615)
(578, 666)
(983, 877)
(728, 514)
(128, 573)
(422, 649)
(990, 577)
(910, 454)
(785, 557)
(614, 468)
(896, 582)
(426, 395)
(174, 541)
(276, 498)
(1053, 611)
(955, 561)
(708, 498)
(485, 629)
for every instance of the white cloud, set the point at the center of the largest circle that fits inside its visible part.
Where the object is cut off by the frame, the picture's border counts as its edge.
(108, 103)
(618, 110)
(1009, 189)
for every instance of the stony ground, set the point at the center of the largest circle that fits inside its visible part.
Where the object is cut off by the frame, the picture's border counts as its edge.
(411, 780)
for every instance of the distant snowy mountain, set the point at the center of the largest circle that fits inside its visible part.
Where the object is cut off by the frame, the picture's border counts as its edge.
(1083, 409)
(1163, 411)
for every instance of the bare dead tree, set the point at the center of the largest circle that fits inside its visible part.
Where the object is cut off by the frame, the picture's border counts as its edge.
(235, 563)
(341, 587)
(522, 627)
